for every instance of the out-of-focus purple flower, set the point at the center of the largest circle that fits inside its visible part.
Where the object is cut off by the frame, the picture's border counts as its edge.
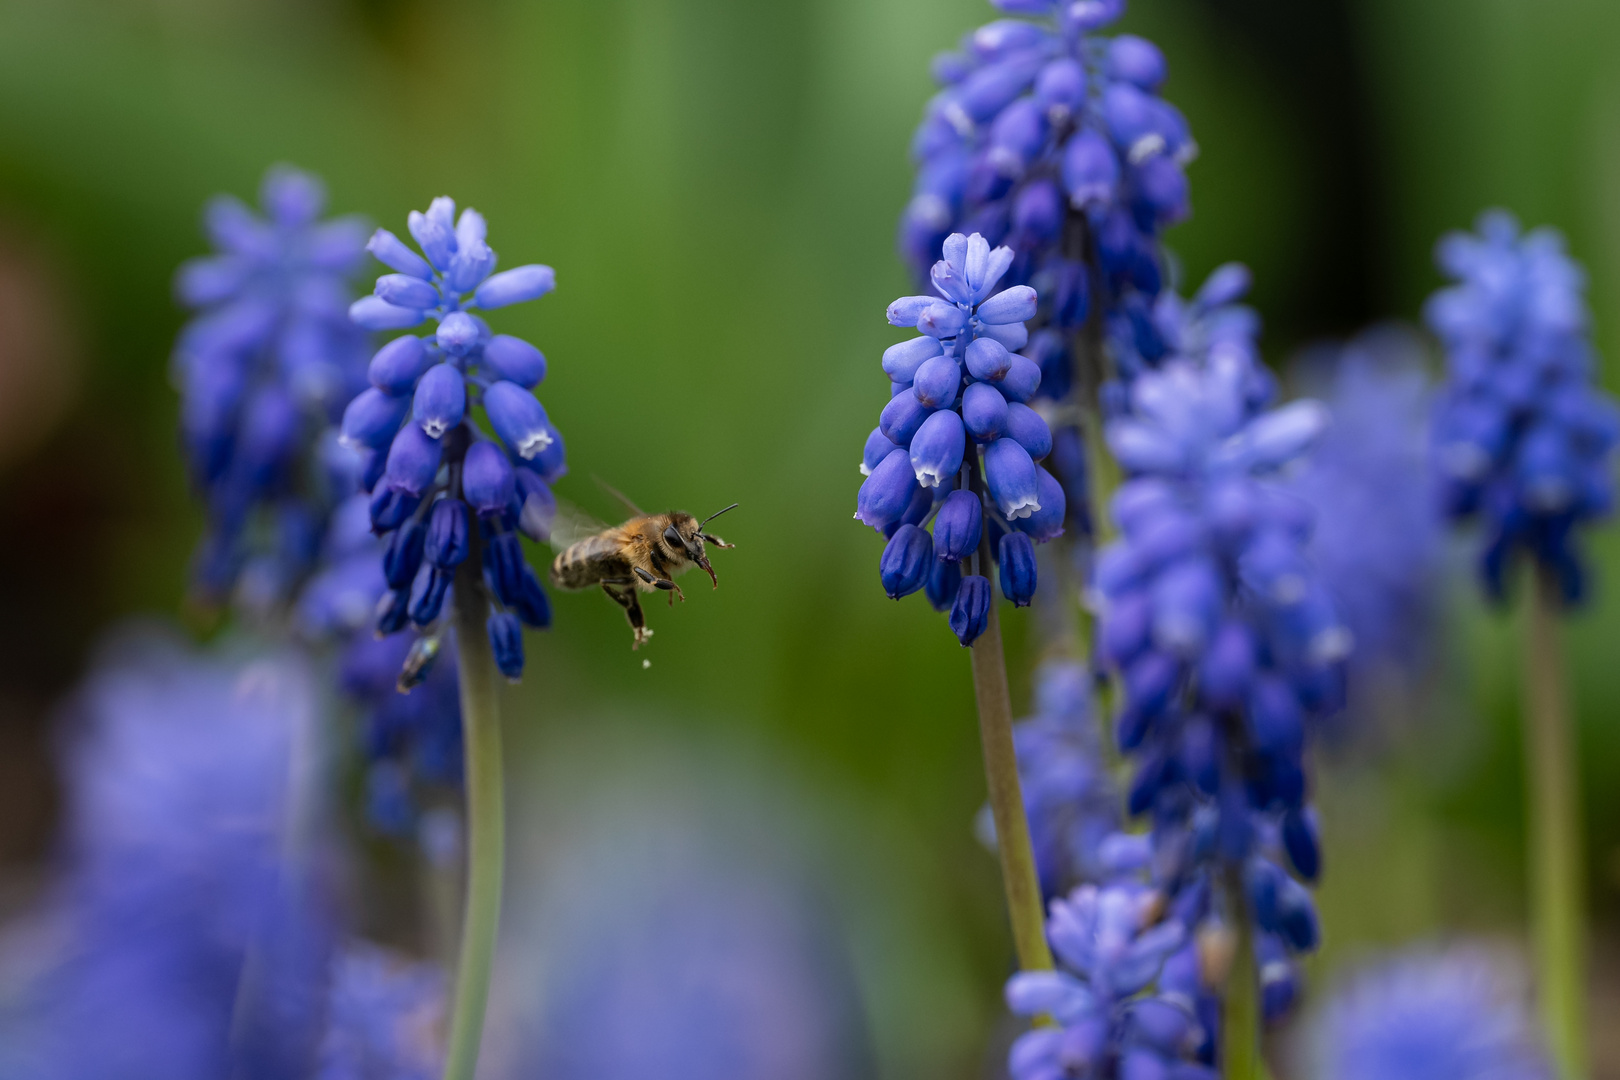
(1226, 644)
(1452, 1014)
(1523, 437)
(416, 418)
(1376, 540)
(411, 737)
(653, 938)
(192, 935)
(264, 366)
(385, 1017)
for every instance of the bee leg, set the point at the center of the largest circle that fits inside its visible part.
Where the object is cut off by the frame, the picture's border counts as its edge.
(632, 611)
(665, 584)
(716, 541)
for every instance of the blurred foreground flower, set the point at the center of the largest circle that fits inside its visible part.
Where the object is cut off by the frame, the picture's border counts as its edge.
(184, 775)
(190, 933)
(264, 368)
(1454, 1014)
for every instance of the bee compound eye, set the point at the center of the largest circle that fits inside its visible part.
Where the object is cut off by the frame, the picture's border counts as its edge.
(672, 535)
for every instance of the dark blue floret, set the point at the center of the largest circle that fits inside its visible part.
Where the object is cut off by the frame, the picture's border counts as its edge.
(1017, 559)
(970, 612)
(506, 638)
(906, 561)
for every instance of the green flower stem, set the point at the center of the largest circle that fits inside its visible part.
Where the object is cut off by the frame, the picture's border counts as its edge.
(1555, 860)
(1018, 874)
(1240, 1005)
(481, 735)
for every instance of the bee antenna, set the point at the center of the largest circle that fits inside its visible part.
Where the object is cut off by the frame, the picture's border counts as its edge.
(716, 514)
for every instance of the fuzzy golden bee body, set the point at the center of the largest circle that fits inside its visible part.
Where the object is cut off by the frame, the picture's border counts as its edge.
(645, 554)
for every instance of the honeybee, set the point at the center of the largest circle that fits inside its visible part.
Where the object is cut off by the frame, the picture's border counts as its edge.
(645, 554)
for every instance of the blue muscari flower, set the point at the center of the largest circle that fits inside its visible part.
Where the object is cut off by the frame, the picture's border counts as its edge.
(1213, 323)
(384, 1019)
(1110, 1019)
(1522, 435)
(410, 730)
(1226, 643)
(1452, 1014)
(190, 927)
(1376, 541)
(1052, 139)
(264, 367)
(429, 468)
(957, 390)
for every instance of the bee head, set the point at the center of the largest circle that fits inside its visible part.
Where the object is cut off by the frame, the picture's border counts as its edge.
(685, 536)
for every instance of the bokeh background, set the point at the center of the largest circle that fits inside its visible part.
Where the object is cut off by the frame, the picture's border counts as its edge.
(716, 182)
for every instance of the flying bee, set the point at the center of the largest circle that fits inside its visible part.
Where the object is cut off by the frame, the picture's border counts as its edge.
(645, 554)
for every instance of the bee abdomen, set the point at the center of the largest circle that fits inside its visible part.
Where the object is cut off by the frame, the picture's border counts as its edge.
(581, 565)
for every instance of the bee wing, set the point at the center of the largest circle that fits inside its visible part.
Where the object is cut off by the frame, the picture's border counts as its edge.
(571, 525)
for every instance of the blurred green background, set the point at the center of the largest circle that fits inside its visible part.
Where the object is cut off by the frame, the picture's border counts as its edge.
(716, 182)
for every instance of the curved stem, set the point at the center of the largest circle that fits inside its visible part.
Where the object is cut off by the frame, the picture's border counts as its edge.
(481, 737)
(1555, 861)
(1018, 874)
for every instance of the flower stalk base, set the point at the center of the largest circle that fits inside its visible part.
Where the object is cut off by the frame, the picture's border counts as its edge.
(486, 827)
(1018, 874)
(1240, 1005)
(1555, 861)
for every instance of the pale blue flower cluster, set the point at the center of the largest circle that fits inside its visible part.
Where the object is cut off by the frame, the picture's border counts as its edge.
(1437, 1014)
(1117, 999)
(264, 368)
(1376, 544)
(1523, 436)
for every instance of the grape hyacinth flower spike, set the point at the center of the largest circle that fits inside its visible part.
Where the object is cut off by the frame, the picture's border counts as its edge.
(1524, 441)
(264, 369)
(957, 444)
(1453, 1014)
(1109, 1015)
(1053, 139)
(1227, 647)
(442, 488)
(451, 502)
